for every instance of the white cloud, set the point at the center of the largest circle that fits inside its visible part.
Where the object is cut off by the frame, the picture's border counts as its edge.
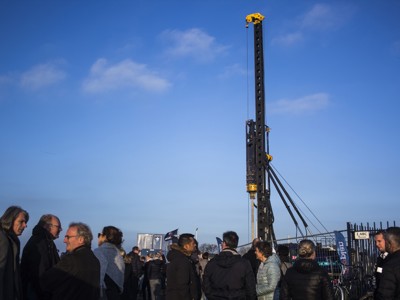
(321, 17)
(5, 79)
(42, 75)
(396, 48)
(193, 43)
(288, 39)
(232, 70)
(125, 74)
(306, 104)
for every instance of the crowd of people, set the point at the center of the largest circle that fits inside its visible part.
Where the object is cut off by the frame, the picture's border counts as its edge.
(108, 272)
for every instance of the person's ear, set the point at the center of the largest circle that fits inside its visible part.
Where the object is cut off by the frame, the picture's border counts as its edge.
(388, 245)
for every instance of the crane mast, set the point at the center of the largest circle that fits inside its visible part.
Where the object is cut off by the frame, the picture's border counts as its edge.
(257, 145)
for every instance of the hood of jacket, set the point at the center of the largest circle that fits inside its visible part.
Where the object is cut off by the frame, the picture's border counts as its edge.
(42, 232)
(227, 258)
(176, 252)
(304, 265)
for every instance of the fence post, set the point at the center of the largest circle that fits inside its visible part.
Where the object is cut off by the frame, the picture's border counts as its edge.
(349, 242)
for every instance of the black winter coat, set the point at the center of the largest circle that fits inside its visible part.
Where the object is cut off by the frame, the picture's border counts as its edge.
(229, 276)
(254, 262)
(389, 285)
(10, 279)
(39, 255)
(306, 280)
(137, 265)
(183, 283)
(155, 269)
(128, 287)
(76, 276)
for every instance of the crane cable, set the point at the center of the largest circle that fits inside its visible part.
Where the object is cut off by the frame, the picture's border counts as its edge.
(247, 74)
(326, 230)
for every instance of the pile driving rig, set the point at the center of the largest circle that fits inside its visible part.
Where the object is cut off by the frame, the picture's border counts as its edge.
(259, 173)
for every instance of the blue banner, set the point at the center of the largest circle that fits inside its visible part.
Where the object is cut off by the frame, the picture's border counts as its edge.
(219, 244)
(341, 249)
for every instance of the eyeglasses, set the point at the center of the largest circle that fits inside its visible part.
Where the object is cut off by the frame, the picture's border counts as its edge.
(70, 236)
(58, 226)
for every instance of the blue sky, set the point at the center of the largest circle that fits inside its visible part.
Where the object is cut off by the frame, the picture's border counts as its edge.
(132, 113)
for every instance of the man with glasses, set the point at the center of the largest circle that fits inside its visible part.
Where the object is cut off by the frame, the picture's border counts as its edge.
(77, 275)
(39, 255)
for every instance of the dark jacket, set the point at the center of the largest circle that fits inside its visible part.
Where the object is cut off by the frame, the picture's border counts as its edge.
(137, 265)
(76, 276)
(183, 283)
(306, 280)
(229, 276)
(389, 285)
(10, 279)
(381, 259)
(155, 269)
(254, 262)
(127, 293)
(39, 255)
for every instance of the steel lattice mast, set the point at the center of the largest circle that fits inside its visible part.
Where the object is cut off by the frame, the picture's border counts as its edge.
(257, 154)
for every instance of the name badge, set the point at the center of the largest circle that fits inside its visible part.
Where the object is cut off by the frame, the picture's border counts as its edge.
(379, 269)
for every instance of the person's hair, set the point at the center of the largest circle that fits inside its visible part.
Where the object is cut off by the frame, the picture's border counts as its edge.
(265, 248)
(392, 235)
(306, 248)
(283, 252)
(380, 232)
(136, 248)
(205, 255)
(184, 239)
(45, 220)
(254, 243)
(113, 235)
(10, 215)
(231, 239)
(127, 259)
(84, 231)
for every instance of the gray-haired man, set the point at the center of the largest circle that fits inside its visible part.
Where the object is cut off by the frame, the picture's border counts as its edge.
(77, 275)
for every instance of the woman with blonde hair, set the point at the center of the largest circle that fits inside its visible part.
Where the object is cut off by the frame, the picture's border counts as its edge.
(306, 280)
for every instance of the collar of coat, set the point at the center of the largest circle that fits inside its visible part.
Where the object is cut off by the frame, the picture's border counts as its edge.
(233, 251)
(180, 249)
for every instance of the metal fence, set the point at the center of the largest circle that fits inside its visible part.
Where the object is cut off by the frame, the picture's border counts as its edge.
(361, 244)
(360, 247)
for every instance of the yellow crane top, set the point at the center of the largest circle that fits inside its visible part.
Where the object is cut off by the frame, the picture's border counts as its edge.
(254, 18)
